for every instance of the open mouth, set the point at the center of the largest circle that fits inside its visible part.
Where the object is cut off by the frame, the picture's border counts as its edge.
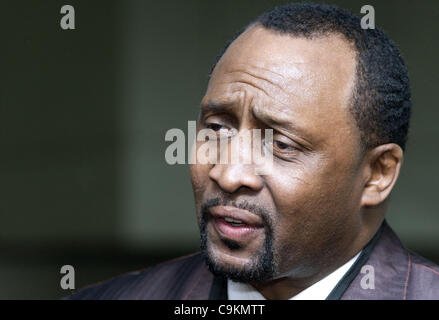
(236, 224)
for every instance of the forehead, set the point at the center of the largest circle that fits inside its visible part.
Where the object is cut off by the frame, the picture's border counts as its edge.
(309, 81)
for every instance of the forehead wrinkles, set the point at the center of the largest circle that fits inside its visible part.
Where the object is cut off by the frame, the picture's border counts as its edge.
(282, 82)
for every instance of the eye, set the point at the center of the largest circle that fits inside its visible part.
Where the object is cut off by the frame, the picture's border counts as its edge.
(283, 147)
(220, 129)
(214, 126)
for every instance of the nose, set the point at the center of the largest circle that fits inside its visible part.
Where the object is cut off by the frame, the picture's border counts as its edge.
(239, 171)
(231, 177)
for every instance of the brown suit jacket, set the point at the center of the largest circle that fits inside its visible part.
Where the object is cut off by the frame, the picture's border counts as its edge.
(399, 274)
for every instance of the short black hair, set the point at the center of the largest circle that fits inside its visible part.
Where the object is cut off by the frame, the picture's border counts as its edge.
(381, 99)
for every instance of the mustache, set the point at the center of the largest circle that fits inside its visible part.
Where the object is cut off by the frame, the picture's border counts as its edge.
(244, 205)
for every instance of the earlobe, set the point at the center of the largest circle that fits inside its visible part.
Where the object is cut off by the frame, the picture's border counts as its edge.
(382, 167)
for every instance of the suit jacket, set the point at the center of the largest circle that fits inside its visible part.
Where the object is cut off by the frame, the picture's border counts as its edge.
(398, 274)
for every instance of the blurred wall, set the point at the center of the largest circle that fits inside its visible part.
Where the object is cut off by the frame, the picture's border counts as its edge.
(84, 113)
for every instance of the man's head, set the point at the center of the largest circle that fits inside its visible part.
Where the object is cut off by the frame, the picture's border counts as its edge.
(338, 100)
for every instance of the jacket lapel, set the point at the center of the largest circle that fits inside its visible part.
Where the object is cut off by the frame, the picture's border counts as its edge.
(201, 288)
(390, 266)
(219, 289)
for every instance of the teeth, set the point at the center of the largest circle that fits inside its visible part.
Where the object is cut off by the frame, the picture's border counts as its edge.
(233, 220)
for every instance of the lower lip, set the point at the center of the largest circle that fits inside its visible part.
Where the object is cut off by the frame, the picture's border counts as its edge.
(238, 233)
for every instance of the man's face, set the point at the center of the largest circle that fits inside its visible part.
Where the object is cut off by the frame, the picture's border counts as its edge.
(304, 215)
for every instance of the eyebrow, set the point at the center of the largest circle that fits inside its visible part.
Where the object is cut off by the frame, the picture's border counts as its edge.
(216, 106)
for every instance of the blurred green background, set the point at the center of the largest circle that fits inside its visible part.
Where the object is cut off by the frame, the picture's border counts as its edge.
(84, 113)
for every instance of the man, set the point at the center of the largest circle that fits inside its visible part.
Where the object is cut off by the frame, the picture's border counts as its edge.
(338, 100)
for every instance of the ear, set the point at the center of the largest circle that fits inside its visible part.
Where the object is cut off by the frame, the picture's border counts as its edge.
(381, 171)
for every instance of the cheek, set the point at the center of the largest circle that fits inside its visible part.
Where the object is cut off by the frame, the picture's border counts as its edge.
(310, 201)
(291, 188)
(312, 215)
(199, 179)
(307, 198)
(289, 193)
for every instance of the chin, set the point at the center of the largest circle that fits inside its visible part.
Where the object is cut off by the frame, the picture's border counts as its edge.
(236, 258)
(241, 265)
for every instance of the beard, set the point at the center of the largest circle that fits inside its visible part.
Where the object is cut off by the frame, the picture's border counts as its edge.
(262, 266)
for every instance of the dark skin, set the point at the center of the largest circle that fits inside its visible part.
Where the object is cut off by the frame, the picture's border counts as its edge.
(326, 195)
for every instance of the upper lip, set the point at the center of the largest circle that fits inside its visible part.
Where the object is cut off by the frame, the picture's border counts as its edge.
(245, 216)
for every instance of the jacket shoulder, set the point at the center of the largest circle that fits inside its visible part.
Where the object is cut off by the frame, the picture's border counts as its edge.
(168, 280)
(398, 273)
(422, 279)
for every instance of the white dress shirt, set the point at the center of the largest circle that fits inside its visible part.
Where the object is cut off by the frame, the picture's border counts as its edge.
(318, 291)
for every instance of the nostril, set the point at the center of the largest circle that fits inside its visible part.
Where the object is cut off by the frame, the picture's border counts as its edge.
(230, 178)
